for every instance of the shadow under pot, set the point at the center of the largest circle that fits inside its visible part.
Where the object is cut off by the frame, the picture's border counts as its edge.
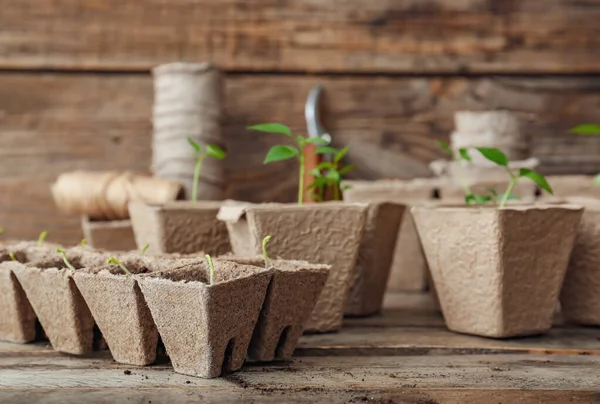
(498, 272)
(206, 328)
(580, 295)
(184, 227)
(291, 297)
(326, 233)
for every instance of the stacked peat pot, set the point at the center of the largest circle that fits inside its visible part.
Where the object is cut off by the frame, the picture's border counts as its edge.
(497, 271)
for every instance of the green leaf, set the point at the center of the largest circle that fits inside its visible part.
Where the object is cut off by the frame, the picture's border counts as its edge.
(511, 197)
(315, 172)
(444, 146)
(494, 155)
(464, 153)
(215, 151)
(326, 165)
(586, 129)
(334, 176)
(279, 152)
(537, 178)
(301, 141)
(340, 154)
(195, 145)
(326, 150)
(316, 140)
(346, 169)
(346, 187)
(469, 199)
(317, 197)
(272, 128)
(477, 199)
(597, 180)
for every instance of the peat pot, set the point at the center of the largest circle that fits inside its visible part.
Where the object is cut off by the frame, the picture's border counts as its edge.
(110, 235)
(498, 272)
(184, 227)
(326, 233)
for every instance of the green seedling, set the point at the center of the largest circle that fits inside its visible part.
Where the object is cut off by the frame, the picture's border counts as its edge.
(211, 269)
(498, 157)
(144, 248)
(83, 243)
(1, 230)
(113, 260)
(329, 174)
(63, 254)
(285, 152)
(202, 153)
(42, 238)
(12, 256)
(264, 250)
(588, 129)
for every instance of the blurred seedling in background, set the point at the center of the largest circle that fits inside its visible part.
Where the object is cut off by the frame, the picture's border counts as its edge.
(588, 129)
(202, 153)
(83, 243)
(264, 250)
(63, 254)
(144, 248)
(42, 238)
(285, 152)
(328, 174)
(211, 269)
(12, 256)
(113, 260)
(1, 230)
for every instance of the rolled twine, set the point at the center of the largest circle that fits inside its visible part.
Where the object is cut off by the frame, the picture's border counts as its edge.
(105, 195)
(188, 101)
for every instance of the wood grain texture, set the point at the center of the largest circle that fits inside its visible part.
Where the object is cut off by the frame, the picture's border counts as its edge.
(53, 123)
(437, 36)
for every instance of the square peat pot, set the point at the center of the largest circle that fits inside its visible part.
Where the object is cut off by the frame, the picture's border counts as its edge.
(498, 272)
(110, 235)
(184, 227)
(580, 295)
(206, 328)
(56, 301)
(327, 233)
(291, 298)
(119, 309)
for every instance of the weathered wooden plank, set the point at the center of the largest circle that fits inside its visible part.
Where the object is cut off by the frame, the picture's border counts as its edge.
(58, 122)
(439, 36)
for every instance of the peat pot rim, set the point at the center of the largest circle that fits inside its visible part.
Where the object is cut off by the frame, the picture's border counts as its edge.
(277, 264)
(179, 205)
(492, 208)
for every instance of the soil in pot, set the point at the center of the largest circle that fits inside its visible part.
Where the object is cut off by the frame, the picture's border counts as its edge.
(59, 306)
(371, 272)
(326, 233)
(291, 297)
(206, 329)
(119, 309)
(180, 227)
(111, 235)
(498, 272)
(580, 295)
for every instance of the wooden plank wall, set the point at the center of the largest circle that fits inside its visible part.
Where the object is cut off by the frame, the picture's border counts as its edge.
(75, 89)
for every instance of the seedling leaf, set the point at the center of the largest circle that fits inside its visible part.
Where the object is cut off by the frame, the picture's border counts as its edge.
(272, 128)
(326, 165)
(340, 154)
(83, 243)
(597, 180)
(346, 187)
(195, 145)
(1, 230)
(334, 176)
(215, 151)
(113, 260)
(12, 256)
(586, 129)
(316, 140)
(211, 269)
(42, 237)
(346, 169)
(279, 152)
(65, 260)
(144, 248)
(264, 250)
(464, 153)
(326, 150)
(494, 155)
(537, 178)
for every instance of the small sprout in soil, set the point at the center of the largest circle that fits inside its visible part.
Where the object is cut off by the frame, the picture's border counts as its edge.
(264, 250)
(113, 260)
(83, 243)
(285, 152)
(1, 230)
(144, 248)
(588, 129)
(12, 256)
(211, 267)
(42, 237)
(64, 257)
(328, 175)
(202, 153)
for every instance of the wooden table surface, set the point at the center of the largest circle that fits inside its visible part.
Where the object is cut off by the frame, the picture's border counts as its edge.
(404, 355)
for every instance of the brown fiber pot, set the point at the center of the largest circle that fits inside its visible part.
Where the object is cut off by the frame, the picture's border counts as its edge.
(119, 309)
(371, 272)
(326, 233)
(179, 227)
(580, 295)
(206, 329)
(110, 235)
(498, 272)
(291, 297)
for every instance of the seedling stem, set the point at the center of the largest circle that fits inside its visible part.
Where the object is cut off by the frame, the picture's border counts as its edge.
(202, 153)
(144, 248)
(12, 256)
(211, 269)
(83, 243)
(113, 260)
(264, 250)
(65, 260)
(42, 237)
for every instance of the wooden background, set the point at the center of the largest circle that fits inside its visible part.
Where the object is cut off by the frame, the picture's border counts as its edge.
(75, 89)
